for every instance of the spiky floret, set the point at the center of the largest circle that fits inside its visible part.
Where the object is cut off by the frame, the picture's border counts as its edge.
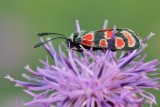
(92, 79)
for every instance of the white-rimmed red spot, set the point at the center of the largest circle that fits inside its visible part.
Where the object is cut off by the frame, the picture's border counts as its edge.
(130, 38)
(103, 43)
(108, 34)
(87, 43)
(119, 43)
(88, 37)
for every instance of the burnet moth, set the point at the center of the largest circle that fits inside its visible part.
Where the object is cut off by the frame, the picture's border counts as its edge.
(124, 39)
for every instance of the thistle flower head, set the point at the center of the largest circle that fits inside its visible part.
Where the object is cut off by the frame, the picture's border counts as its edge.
(92, 78)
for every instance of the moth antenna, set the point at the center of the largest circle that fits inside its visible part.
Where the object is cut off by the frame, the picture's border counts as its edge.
(42, 43)
(47, 33)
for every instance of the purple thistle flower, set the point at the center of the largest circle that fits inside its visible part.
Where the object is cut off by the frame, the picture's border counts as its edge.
(92, 79)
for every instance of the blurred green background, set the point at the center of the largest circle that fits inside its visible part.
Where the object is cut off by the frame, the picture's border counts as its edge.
(21, 20)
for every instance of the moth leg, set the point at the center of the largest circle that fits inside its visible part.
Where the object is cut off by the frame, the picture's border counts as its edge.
(77, 49)
(104, 50)
(87, 52)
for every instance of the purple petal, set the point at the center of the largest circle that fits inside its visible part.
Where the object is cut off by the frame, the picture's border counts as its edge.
(105, 24)
(78, 26)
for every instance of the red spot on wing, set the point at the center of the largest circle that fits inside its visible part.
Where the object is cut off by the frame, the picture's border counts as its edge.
(88, 37)
(108, 34)
(87, 43)
(103, 43)
(131, 41)
(119, 43)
